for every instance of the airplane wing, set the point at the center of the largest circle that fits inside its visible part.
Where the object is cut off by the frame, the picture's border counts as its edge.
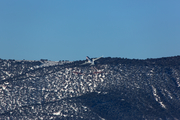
(96, 58)
(85, 63)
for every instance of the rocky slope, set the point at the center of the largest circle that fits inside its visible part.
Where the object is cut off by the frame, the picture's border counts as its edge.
(115, 88)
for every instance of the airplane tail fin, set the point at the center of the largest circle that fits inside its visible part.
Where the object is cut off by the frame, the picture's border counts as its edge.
(87, 58)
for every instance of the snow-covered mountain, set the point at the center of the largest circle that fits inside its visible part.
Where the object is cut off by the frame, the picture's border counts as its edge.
(115, 88)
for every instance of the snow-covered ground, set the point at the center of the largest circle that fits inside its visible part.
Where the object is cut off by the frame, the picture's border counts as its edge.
(107, 91)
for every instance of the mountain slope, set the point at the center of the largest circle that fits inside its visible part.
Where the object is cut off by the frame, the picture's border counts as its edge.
(115, 88)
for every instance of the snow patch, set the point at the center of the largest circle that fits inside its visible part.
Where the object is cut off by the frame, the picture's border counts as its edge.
(157, 98)
(57, 113)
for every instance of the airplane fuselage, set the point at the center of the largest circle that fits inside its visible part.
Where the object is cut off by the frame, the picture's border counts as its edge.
(90, 60)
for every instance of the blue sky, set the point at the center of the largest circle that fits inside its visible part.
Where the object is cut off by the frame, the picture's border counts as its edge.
(72, 29)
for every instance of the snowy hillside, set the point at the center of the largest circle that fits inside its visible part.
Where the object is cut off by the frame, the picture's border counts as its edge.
(114, 88)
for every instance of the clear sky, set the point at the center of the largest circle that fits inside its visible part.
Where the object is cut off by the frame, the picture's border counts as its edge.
(72, 29)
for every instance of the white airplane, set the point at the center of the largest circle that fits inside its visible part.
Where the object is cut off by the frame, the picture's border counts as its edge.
(90, 61)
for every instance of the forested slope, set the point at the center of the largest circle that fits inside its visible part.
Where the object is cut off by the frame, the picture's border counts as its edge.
(115, 88)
